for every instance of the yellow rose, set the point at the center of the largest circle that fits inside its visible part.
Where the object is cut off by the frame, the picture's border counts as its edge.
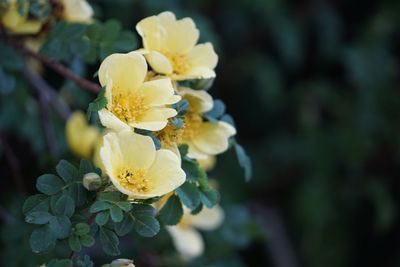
(204, 138)
(132, 101)
(77, 11)
(17, 24)
(137, 169)
(81, 137)
(170, 47)
(186, 237)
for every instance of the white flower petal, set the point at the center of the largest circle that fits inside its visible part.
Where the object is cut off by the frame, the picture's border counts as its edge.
(188, 242)
(202, 101)
(109, 120)
(158, 93)
(208, 219)
(158, 62)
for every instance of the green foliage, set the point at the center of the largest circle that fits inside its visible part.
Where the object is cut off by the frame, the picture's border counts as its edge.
(99, 103)
(172, 211)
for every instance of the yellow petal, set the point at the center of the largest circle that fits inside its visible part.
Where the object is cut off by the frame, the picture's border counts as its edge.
(154, 119)
(17, 24)
(203, 55)
(158, 62)
(208, 219)
(212, 138)
(127, 71)
(164, 32)
(194, 152)
(81, 137)
(166, 173)
(199, 100)
(110, 121)
(188, 242)
(208, 163)
(77, 11)
(158, 93)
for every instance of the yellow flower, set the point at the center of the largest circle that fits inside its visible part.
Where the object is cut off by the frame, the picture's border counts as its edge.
(17, 24)
(81, 137)
(77, 11)
(132, 101)
(204, 138)
(185, 236)
(137, 169)
(170, 47)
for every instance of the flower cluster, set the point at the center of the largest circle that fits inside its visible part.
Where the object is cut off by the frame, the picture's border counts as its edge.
(21, 17)
(155, 122)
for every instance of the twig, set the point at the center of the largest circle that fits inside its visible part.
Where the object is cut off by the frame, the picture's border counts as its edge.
(47, 92)
(14, 166)
(53, 64)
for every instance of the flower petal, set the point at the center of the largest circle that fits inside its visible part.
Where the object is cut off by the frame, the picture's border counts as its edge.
(188, 242)
(77, 11)
(158, 93)
(111, 121)
(166, 174)
(212, 138)
(199, 100)
(195, 153)
(154, 119)
(208, 219)
(158, 62)
(127, 71)
(203, 55)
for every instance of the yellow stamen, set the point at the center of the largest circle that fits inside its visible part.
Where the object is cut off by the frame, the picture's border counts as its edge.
(128, 107)
(193, 122)
(180, 63)
(133, 180)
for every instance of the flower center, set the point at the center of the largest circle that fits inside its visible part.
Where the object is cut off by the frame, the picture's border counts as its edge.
(193, 122)
(170, 136)
(133, 180)
(180, 63)
(128, 107)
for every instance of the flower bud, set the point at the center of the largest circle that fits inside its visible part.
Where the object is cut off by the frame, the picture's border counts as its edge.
(122, 263)
(92, 181)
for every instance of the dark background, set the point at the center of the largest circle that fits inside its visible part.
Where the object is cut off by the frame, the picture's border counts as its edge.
(314, 90)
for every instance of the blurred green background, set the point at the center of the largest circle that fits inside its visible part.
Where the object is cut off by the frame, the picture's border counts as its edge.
(314, 90)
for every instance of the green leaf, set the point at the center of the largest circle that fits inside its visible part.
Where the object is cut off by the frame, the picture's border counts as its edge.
(37, 202)
(87, 240)
(183, 150)
(60, 263)
(181, 107)
(197, 209)
(177, 122)
(244, 161)
(217, 111)
(109, 241)
(66, 171)
(82, 228)
(171, 213)
(49, 184)
(102, 218)
(74, 243)
(83, 261)
(116, 214)
(78, 194)
(209, 197)
(85, 166)
(38, 217)
(64, 206)
(61, 226)
(99, 103)
(125, 226)
(112, 196)
(124, 205)
(144, 220)
(42, 239)
(191, 168)
(99, 206)
(189, 195)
